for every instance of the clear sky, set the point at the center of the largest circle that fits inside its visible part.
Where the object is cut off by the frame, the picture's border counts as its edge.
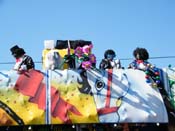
(121, 25)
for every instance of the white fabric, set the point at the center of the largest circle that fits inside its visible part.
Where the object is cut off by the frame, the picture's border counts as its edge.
(52, 60)
(140, 102)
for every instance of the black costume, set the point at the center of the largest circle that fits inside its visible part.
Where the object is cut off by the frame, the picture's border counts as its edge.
(23, 61)
(108, 62)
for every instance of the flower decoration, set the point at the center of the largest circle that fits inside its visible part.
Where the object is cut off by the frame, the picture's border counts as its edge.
(91, 46)
(86, 49)
(83, 55)
(79, 52)
(92, 58)
(86, 65)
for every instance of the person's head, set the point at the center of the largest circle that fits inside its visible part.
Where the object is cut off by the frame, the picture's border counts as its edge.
(109, 54)
(17, 51)
(141, 54)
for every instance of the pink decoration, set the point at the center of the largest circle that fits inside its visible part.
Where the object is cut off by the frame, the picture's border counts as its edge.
(79, 51)
(92, 58)
(86, 64)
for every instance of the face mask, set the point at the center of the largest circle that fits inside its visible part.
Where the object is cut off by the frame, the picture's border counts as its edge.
(15, 55)
(111, 57)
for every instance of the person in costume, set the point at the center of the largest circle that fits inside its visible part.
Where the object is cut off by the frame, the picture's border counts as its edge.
(140, 62)
(109, 60)
(141, 56)
(23, 61)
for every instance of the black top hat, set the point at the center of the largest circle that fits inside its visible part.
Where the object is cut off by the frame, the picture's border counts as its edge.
(14, 48)
(16, 51)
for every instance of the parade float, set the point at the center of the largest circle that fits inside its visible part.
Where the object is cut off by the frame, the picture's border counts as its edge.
(70, 89)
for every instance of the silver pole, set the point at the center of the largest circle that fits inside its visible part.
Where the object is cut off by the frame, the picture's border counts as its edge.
(48, 98)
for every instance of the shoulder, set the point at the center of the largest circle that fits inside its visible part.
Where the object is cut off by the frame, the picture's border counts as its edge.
(104, 61)
(133, 64)
(117, 60)
(27, 57)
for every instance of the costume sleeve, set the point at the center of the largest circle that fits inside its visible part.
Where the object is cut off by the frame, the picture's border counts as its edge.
(104, 64)
(132, 65)
(28, 61)
(117, 64)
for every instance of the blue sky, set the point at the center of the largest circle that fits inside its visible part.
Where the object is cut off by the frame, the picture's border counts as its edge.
(121, 25)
